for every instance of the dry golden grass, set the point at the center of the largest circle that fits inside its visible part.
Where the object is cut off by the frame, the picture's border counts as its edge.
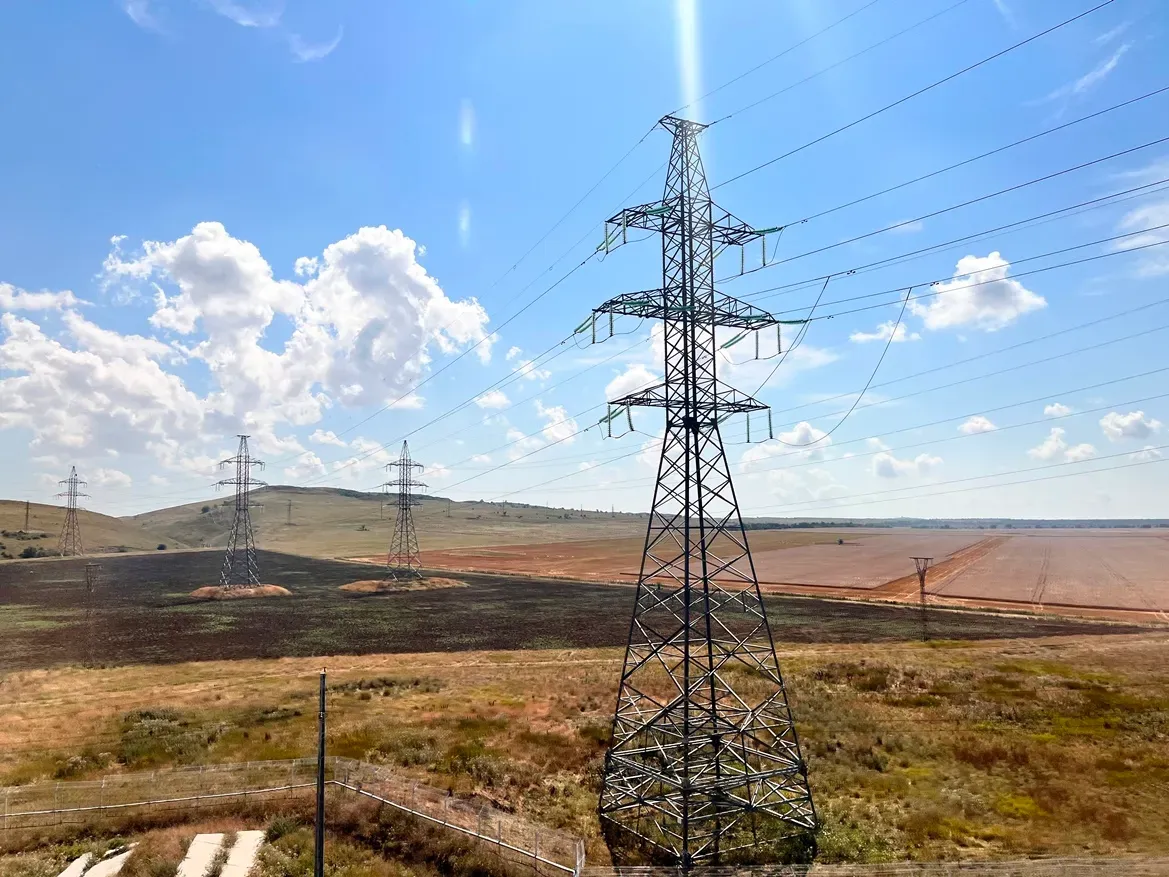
(223, 592)
(333, 523)
(99, 533)
(981, 749)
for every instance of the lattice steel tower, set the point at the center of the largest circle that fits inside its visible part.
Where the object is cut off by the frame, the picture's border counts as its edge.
(240, 569)
(403, 560)
(70, 542)
(704, 765)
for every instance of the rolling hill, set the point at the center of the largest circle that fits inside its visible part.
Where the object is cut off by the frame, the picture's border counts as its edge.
(99, 533)
(332, 522)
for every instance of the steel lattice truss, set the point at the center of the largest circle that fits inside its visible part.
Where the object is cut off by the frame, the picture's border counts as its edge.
(704, 764)
(240, 569)
(70, 541)
(403, 560)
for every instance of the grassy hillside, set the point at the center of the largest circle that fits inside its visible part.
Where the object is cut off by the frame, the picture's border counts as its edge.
(99, 533)
(331, 522)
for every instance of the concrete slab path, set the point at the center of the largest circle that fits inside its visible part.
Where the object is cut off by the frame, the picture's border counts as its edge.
(243, 854)
(111, 866)
(200, 855)
(77, 867)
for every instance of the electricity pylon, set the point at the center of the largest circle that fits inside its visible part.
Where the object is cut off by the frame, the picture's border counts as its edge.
(922, 565)
(704, 765)
(70, 542)
(403, 560)
(240, 569)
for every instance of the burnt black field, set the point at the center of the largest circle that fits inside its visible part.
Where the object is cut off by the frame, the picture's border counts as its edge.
(142, 614)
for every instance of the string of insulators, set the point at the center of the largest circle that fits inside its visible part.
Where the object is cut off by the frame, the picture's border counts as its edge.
(748, 427)
(770, 432)
(736, 340)
(629, 415)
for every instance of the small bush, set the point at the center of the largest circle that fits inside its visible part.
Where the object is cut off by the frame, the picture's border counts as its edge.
(162, 546)
(279, 827)
(205, 510)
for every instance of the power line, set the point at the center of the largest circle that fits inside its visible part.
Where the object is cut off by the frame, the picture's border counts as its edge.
(941, 280)
(777, 56)
(975, 158)
(951, 208)
(917, 93)
(1067, 392)
(840, 63)
(1080, 207)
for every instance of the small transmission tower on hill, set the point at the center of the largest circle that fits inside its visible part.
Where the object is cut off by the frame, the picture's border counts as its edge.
(704, 766)
(70, 543)
(403, 560)
(240, 569)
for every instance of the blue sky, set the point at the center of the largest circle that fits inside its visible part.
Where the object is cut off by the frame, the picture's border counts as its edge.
(280, 217)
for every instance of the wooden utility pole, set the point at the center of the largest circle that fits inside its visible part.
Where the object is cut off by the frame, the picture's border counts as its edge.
(319, 838)
(26, 516)
(290, 512)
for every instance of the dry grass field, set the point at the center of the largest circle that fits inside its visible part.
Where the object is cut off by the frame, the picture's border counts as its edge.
(99, 533)
(327, 522)
(974, 750)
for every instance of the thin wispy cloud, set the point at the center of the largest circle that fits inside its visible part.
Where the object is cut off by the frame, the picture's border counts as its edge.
(1005, 12)
(304, 51)
(1110, 35)
(248, 15)
(141, 14)
(1090, 79)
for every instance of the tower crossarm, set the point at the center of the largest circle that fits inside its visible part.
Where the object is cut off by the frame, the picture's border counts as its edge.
(726, 229)
(726, 400)
(669, 304)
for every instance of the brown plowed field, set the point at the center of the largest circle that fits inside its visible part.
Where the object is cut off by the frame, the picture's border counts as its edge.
(809, 559)
(1128, 571)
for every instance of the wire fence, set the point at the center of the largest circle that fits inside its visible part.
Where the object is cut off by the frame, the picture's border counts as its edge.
(42, 806)
(1054, 867)
(514, 838)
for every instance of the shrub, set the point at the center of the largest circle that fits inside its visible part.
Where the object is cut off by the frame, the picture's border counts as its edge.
(162, 546)
(205, 510)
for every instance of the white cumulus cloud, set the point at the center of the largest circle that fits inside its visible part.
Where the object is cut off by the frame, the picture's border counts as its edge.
(635, 377)
(1056, 409)
(1055, 446)
(115, 478)
(1147, 453)
(886, 465)
(327, 437)
(981, 296)
(493, 399)
(1134, 425)
(977, 424)
(559, 427)
(883, 331)
(13, 299)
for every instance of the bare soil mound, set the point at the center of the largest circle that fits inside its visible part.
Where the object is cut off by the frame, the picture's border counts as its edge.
(390, 586)
(221, 592)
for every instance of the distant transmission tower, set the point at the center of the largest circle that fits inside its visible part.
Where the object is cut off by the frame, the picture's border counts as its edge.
(922, 565)
(240, 569)
(70, 543)
(704, 764)
(403, 560)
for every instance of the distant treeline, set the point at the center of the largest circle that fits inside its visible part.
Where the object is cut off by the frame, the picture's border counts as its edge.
(959, 525)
